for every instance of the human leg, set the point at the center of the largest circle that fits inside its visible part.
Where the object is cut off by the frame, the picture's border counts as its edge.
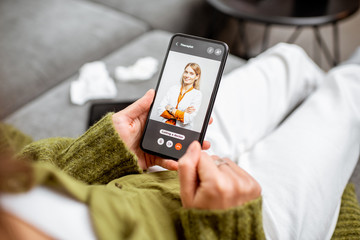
(305, 164)
(253, 99)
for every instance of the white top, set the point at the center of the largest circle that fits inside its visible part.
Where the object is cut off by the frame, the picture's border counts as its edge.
(54, 214)
(191, 98)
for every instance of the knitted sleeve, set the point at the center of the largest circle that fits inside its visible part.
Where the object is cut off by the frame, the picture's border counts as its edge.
(243, 222)
(11, 139)
(96, 157)
(348, 224)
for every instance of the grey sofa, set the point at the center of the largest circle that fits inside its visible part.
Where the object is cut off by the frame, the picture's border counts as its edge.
(43, 43)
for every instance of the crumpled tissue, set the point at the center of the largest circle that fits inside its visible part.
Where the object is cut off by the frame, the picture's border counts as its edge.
(94, 82)
(143, 69)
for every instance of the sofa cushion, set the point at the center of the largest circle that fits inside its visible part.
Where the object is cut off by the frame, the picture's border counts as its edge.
(186, 16)
(52, 114)
(45, 41)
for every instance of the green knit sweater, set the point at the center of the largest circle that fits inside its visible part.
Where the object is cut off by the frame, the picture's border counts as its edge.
(125, 203)
(98, 170)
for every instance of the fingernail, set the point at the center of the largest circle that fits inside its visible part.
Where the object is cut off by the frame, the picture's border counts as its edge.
(150, 90)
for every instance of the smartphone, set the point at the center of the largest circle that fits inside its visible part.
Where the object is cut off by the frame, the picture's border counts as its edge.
(185, 95)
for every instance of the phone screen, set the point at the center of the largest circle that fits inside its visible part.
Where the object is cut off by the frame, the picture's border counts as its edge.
(185, 95)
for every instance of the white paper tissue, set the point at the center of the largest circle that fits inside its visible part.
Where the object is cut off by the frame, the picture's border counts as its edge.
(94, 82)
(143, 69)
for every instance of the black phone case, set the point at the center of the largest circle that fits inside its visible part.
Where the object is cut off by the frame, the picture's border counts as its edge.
(98, 110)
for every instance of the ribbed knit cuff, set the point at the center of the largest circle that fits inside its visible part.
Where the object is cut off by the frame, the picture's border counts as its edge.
(11, 139)
(243, 222)
(99, 155)
(348, 224)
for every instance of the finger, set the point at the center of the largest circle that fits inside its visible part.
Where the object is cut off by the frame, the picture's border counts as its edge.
(188, 173)
(238, 170)
(207, 169)
(211, 120)
(224, 164)
(228, 168)
(206, 145)
(141, 106)
(246, 181)
(223, 168)
(240, 179)
(168, 164)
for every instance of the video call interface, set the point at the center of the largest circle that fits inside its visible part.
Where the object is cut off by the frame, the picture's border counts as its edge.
(183, 96)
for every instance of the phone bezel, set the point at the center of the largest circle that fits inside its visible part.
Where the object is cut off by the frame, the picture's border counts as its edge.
(212, 98)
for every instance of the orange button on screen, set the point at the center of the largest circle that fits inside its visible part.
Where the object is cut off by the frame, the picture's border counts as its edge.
(178, 146)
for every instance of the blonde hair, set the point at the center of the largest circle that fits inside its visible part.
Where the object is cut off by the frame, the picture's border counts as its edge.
(197, 70)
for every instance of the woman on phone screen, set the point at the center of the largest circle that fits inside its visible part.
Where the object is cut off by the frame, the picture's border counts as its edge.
(181, 103)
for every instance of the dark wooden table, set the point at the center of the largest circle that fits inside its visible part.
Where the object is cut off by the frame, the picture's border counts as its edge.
(298, 13)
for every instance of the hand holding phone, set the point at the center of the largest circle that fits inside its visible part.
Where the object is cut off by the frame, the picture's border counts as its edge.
(185, 95)
(129, 124)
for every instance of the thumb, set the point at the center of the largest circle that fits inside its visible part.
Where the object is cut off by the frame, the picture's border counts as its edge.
(141, 106)
(188, 173)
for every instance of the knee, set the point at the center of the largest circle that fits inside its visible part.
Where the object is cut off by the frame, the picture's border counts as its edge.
(291, 51)
(292, 56)
(347, 75)
(345, 80)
